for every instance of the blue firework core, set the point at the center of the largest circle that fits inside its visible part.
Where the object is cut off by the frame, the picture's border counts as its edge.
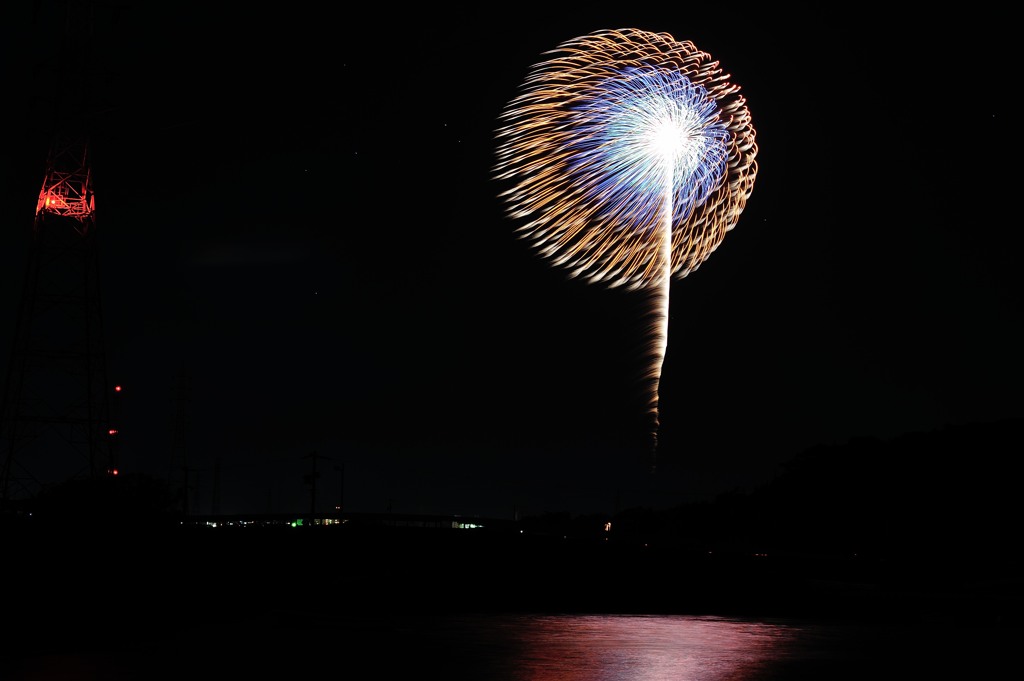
(642, 135)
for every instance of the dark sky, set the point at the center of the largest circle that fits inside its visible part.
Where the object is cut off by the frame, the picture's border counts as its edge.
(296, 207)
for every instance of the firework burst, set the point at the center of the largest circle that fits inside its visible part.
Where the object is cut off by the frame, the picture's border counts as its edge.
(628, 156)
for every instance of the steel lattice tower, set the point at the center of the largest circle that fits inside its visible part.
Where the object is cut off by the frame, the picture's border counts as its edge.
(55, 410)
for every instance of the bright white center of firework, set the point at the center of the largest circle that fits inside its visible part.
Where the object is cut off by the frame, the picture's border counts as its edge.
(665, 140)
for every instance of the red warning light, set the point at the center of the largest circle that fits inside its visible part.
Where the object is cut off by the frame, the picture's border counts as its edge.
(117, 388)
(112, 431)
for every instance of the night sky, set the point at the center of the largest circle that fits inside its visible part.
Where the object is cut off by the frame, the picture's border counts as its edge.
(296, 208)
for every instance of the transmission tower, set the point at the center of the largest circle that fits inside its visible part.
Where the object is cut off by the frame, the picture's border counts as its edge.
(54, 414)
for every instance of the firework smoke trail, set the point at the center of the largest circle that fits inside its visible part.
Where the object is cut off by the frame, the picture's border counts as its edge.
(629, 156)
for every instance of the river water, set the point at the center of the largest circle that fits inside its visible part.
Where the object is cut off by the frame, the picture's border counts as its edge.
(522, 647)
(449, 607)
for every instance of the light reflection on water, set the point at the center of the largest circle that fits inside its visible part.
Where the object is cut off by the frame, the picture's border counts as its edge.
(643, 648)
(330, 646)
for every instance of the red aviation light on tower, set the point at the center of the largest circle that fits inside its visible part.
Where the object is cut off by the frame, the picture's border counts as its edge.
(67, 188)
(62, 199)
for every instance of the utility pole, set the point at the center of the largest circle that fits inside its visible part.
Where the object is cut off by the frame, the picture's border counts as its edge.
(341, 485)
(215, 495)
(310, 479)
(179, 454)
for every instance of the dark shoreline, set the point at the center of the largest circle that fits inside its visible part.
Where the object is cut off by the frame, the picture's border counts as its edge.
(429, 570)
